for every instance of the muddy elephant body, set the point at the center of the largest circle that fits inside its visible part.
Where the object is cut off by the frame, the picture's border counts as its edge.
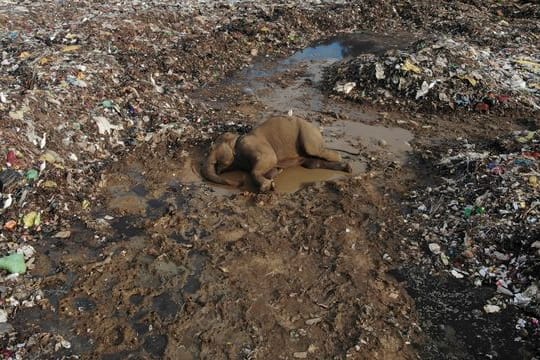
(279, 142)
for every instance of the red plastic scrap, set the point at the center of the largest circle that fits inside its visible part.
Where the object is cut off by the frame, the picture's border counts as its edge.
(481, 107)
(531, 154)
(11, 158)
(497, 170)
(7, 354)
(503, 98)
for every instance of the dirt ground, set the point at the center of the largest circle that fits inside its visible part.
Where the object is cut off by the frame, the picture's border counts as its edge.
(163, 264)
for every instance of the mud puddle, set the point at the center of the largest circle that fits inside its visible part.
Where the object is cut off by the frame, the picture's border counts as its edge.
(289, 180)
(352, 136)
(301, 93)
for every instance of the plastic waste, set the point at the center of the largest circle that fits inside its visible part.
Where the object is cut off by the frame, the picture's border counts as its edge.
(32, 219)
(13, 263)
(32, 175)
(107, 104)
(11, 158)
(9, 179)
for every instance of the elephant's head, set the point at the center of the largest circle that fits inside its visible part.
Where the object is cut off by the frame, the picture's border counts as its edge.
(220, 158)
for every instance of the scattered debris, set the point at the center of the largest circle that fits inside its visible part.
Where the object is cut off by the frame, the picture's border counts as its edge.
(485, 218)
(443, 73)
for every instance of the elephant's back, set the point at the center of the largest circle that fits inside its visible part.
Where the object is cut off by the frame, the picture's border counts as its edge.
(281, 132)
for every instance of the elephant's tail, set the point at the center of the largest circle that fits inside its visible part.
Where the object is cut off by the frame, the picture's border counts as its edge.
(344, 151)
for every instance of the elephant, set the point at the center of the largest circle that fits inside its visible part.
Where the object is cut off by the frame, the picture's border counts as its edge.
(279, 142)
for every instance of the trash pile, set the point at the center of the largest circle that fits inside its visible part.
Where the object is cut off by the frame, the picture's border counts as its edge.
(482, 222)
(443, 73)
(25, 219)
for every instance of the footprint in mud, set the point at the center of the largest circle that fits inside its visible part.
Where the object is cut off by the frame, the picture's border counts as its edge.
(156, 345)
(85, 304)
(128, 226)
(166, 307)
(193, 283)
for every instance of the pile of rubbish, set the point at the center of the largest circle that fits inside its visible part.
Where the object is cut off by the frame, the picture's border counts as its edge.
(481, 223)
(443, 73)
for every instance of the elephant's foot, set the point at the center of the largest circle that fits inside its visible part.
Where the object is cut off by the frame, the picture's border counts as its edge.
(234, 183)
(267, 185)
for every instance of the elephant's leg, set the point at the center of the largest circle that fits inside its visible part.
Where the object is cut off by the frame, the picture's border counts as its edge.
(273, 173)
(314, 163)
(264, 165)
(313, 144)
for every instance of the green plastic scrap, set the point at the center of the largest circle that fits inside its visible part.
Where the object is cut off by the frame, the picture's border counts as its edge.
(107, 104)
(526, 138)
(13, 263)
(32, 175)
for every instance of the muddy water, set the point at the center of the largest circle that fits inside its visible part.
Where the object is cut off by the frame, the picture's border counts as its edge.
(350, 45)
(289, 181)
(345, 134)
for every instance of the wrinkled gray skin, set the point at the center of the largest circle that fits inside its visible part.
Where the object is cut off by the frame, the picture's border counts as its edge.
(279, 142)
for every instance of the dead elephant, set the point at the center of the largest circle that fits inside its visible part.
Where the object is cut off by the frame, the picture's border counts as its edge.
(279, 142)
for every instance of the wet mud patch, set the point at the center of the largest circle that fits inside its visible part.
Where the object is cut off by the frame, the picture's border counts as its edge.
(246, 274)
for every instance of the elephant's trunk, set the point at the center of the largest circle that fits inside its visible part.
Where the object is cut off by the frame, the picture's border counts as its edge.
(208, 170)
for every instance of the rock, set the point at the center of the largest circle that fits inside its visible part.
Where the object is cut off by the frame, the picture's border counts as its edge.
(313, 321)
(3, 316)
(6, 328)
(300, 355)
(434, 248)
